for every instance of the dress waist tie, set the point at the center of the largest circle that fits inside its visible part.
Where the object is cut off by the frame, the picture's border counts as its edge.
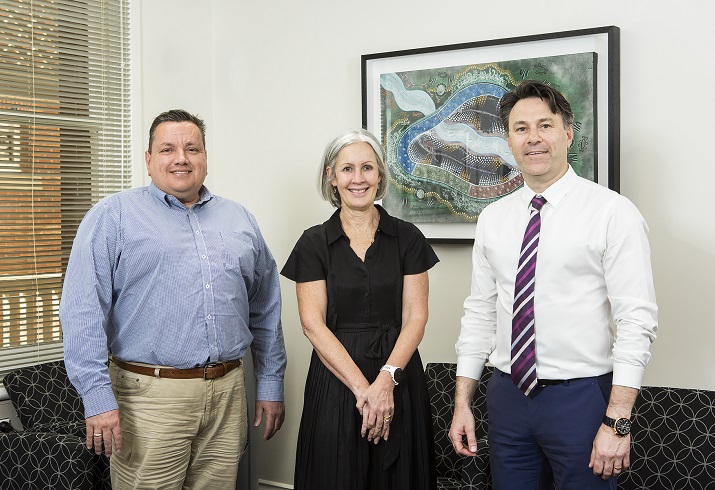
(382, 341)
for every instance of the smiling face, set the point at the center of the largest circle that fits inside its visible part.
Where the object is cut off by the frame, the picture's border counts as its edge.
(356, 176)
(539, 142)
(177, 162)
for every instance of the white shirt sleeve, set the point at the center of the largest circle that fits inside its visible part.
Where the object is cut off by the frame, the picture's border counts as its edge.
(477, 338)
(629, 282)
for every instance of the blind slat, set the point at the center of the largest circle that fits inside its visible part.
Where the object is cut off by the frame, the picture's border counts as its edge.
(64, 145)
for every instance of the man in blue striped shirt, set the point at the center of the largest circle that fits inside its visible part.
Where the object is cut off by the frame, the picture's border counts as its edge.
(175, 283)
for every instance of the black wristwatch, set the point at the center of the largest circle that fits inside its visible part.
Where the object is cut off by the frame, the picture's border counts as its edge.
(621, 426)
(395, 372)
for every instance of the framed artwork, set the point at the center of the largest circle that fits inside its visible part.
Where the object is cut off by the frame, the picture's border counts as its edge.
(435, 110)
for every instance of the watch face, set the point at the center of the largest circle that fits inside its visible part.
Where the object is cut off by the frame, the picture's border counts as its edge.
(623, 427)
(399, 375)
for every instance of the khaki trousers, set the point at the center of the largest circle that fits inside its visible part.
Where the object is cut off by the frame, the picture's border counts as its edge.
(179, 433)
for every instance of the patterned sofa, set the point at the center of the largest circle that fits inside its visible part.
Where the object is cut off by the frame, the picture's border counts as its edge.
(673, 438)
(51, 451)
(455, 472)
(673, 441)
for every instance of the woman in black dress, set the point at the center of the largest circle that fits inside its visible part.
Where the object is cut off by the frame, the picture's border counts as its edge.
(362, 286)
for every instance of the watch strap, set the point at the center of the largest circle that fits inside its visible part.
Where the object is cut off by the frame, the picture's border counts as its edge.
(391, 370)
(612, 423)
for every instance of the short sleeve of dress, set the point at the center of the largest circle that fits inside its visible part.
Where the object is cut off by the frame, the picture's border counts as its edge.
(418, 255)
(307, 261)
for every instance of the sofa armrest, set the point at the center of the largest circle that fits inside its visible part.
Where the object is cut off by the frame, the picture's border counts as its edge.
(32, 460)
(476, 474)
(71, 427)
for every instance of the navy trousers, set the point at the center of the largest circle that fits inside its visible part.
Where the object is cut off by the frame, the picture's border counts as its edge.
(544, 440)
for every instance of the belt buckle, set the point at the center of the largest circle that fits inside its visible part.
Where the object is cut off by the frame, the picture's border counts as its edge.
(213, 365)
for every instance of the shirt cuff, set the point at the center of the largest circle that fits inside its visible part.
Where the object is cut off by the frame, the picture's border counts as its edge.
(98, 401)
(469, 367)
(269, 390)
(628, 375)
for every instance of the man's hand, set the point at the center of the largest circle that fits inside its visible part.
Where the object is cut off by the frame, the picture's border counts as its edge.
(275, 414)
(610, 455)
(463, 419)
(463, 425)
(101, 430)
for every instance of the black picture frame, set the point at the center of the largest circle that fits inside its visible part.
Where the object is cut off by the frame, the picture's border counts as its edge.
(605, 41)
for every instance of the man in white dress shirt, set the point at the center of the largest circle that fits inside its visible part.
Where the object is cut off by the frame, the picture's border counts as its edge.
(594, 314)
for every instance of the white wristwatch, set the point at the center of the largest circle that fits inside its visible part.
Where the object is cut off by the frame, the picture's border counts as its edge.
(396, 373)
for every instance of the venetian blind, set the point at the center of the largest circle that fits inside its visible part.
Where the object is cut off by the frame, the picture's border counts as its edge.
(64, 144)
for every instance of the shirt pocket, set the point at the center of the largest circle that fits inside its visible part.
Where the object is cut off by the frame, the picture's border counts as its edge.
(238, 254)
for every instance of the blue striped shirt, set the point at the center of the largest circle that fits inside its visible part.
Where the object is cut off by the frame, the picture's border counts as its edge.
(158, 283)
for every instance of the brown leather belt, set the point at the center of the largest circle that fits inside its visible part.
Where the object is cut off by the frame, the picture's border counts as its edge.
(210, 371)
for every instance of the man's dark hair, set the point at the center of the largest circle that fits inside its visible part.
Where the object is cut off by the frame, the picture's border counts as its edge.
(177, 115)
(531, 88)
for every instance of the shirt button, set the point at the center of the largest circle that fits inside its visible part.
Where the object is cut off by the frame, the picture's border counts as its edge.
(197, 232)
(203, 256)
(208, 317)
(208, 286)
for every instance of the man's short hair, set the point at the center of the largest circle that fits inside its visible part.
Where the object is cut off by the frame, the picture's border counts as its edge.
(177, 115)
(531, 88)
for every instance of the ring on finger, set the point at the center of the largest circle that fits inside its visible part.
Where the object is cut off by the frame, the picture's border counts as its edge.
(98, 435)
(387, 418)
(617, 468)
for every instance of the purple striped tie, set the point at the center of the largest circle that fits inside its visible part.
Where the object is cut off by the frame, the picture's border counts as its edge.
(523, 340)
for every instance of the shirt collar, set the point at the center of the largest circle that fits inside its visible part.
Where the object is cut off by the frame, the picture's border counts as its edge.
(334, 229)
(204, 196)
(555, 192)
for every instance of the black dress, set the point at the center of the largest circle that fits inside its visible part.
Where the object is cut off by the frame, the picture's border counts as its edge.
(365, 314)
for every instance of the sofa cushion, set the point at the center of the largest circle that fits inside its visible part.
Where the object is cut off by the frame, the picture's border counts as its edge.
(673, 440)
(38, 461)
(468, 473)
(42, 394)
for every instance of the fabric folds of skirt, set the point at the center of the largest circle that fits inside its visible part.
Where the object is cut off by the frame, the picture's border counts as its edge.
(332, 454)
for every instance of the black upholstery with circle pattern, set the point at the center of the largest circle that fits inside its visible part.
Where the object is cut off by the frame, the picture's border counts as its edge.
(43, 395)
(673, 437)
(52, 415)
(40, 461)
(453, 471)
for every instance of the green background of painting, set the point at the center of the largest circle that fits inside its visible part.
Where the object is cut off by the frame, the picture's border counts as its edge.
(572, 74)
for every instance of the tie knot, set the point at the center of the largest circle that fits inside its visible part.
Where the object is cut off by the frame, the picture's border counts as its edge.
(538, 202)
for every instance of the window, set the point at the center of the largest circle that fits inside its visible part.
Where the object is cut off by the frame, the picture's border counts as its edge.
(64, 144)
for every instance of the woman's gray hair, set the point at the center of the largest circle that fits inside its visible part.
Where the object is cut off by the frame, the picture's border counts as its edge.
(325, 187)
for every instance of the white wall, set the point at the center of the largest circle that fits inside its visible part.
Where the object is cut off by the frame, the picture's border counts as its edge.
(276, 80)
